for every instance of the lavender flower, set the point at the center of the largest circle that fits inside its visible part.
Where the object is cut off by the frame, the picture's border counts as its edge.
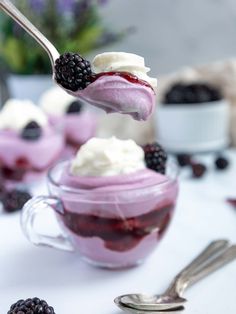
(37, 5)
(102, 2)
(66, 5)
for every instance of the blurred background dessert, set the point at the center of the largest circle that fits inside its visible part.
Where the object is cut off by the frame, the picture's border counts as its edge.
(79, 122)
(29, 144)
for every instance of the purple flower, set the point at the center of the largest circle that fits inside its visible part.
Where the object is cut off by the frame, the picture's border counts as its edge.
(102, 2)
(37, 5)
(66, 5)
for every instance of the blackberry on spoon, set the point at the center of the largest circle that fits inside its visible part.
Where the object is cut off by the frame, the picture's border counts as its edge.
(72, 71)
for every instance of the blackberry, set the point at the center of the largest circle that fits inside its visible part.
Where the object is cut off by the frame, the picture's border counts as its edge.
(155, 157)
(184, 160)
(198, 170)
(231, 201)
(75, 107)
(2, 191)
(14, 200)
(32, 131)
(221, 163)
(31, 306)
(193, 93)
(72, 71)
(175, 94)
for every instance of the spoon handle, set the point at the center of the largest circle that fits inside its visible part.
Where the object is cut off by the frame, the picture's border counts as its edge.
(214, 263)
(16, 15)
(212, 250)
(223, 259)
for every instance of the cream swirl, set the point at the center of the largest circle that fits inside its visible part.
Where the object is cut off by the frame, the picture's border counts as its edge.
(123, 62)
(16, 114)
(108, 157)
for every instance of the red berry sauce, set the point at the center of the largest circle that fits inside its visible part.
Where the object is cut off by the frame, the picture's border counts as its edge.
(119, 234)
(126, 75)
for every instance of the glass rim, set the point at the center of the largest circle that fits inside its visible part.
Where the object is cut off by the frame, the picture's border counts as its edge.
(171, 165)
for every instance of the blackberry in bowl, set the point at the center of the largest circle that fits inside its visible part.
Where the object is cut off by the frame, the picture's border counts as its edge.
(192, 118)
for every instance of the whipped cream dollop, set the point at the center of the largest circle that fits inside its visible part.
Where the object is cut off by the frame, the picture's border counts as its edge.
(16, 114)
(108, 157)
(55, 101)
(123, 62)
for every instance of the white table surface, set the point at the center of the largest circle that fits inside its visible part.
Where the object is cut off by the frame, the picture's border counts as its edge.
(72, 286)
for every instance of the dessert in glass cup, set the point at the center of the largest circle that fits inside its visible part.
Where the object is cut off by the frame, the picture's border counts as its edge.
(114, 202)
(79, 124)
(29, 144)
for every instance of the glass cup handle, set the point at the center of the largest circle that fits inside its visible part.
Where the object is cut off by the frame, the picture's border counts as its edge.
(30, 212)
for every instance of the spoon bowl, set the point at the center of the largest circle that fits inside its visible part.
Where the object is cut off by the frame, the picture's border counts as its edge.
(150, 302)
(132, 310)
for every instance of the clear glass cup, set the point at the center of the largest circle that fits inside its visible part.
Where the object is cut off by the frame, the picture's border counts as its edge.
(115, 230)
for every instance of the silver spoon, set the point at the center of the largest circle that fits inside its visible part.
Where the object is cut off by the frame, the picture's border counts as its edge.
(128, 302)
(13, 12)
(215, 256)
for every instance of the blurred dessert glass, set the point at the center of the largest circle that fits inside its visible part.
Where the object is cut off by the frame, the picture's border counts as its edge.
(79, 123)
(29, 144)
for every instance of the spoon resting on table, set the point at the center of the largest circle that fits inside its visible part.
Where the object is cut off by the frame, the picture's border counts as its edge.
(114, 82)
(217, 254)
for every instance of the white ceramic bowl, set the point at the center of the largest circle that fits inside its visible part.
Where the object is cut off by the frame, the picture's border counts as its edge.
(193, 128)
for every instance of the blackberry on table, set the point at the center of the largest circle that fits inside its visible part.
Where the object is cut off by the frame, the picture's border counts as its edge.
(221, 163)
(72, 71)
(184, 160)
(155, 157)
(198, 170)
(31, 306)
(32, 131)
(14, 200)
(75, 107)
(231, 201)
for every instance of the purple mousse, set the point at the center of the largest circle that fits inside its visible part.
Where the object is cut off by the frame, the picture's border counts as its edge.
(116, 220)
